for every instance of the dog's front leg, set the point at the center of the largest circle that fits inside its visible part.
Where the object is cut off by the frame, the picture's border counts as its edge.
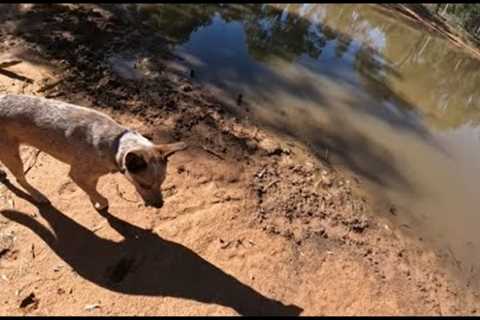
(87, 181)
(10, 157)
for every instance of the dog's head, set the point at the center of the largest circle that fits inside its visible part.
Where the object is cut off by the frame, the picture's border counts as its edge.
(146, 168)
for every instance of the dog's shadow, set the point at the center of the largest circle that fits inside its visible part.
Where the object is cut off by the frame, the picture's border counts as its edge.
(143, 263)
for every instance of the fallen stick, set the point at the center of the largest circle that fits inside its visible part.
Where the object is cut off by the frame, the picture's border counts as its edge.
(35, 157)
(13, 75)
(212, 152)
(10, 63)
(120, 194)
(49, 86)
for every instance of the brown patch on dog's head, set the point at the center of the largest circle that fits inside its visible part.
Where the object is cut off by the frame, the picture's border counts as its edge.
(146, 168)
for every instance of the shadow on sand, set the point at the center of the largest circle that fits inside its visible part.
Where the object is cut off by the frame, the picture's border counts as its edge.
(143, 263)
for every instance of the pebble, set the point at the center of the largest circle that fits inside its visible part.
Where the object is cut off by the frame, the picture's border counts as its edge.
(92, 306)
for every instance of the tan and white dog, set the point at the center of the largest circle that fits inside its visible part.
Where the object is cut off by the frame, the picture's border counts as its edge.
(92, 143)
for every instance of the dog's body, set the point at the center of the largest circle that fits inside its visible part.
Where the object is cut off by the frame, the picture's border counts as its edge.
(91, 142)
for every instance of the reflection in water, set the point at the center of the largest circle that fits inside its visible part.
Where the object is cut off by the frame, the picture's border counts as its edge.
(394, 104)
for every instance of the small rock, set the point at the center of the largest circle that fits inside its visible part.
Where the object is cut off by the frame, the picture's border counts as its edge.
(239, 99)
(309, 166)
(326, 181)
(358, 225)
(225, 245)
(261, 173)
(270, 147)
(181, 169)
(393, 211)
(91, 307)
(187, 88)
(251, 145)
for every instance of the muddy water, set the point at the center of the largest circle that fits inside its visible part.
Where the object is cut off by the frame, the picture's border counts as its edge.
(363, 88)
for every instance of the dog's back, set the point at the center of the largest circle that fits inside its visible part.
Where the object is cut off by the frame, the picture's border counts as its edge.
(63, 130)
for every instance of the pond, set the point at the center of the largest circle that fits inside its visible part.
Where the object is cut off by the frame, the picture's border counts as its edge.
(370, 91)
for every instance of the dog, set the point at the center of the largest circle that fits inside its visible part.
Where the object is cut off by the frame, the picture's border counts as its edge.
(92, 143)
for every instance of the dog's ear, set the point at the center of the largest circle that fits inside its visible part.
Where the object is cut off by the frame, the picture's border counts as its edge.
(167, 150)
(147, 135)
(134, 162)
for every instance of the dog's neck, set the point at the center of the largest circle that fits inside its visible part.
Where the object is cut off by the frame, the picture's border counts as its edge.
(127, 141)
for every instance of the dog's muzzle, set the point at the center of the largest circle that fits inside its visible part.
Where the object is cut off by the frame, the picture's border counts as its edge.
(154, 203)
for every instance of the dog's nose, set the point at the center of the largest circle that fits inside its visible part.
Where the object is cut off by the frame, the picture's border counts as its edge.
(156, 204)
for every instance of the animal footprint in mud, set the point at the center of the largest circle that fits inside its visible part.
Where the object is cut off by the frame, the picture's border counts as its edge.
(30, 302)
(67, 188)
(119, 271)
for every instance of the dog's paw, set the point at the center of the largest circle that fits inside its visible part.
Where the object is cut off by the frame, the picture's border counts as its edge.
(3, 176)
